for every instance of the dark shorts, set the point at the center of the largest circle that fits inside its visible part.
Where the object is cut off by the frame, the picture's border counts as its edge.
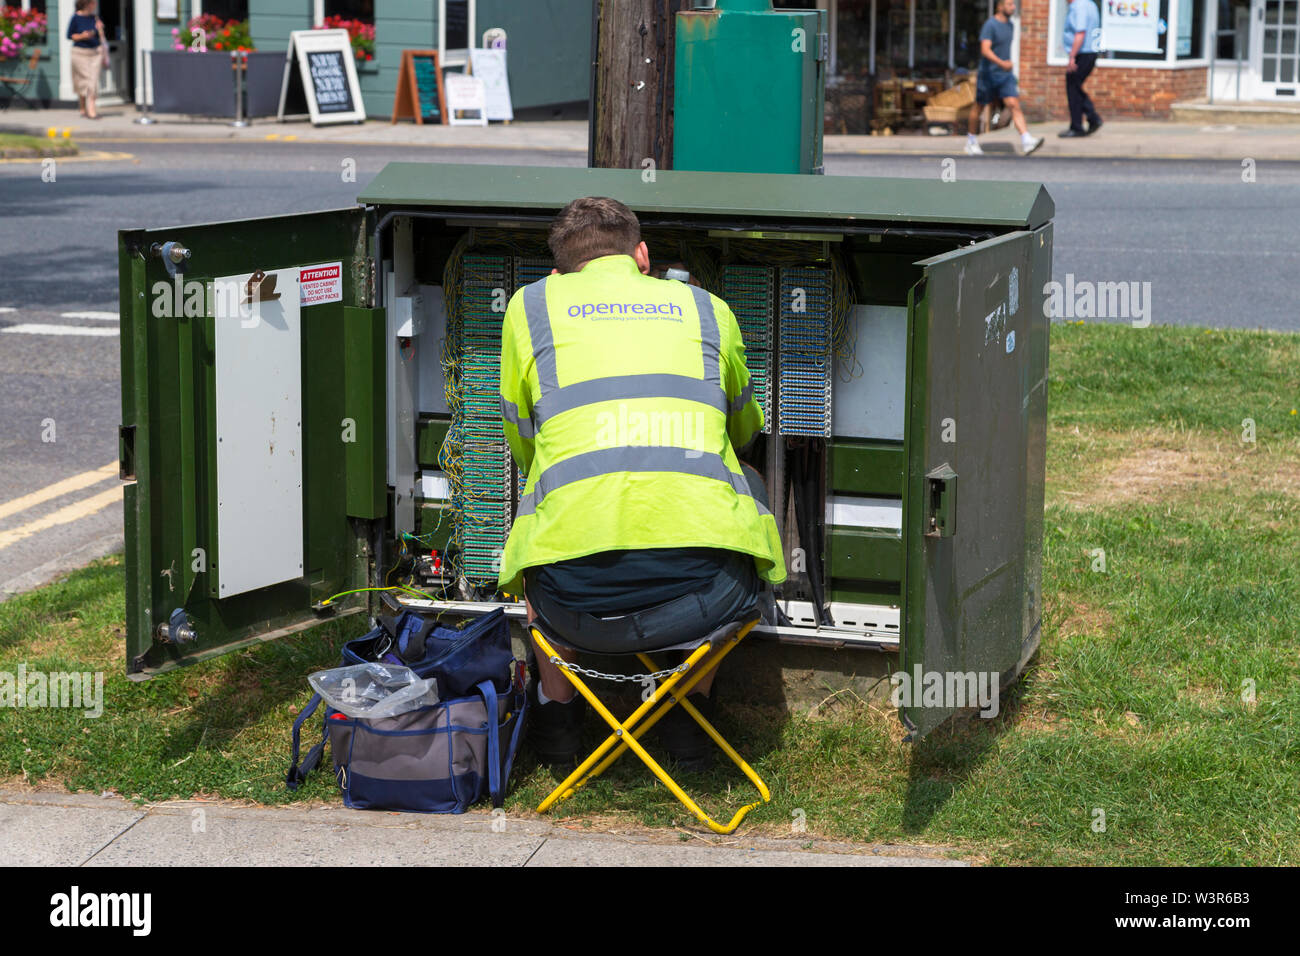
(732, 597)
(989, 88)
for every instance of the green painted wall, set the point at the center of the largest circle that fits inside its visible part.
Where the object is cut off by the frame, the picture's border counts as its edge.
(399, 25)
(548, 44)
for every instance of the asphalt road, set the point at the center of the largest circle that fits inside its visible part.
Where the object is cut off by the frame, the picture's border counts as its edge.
(1217, 252)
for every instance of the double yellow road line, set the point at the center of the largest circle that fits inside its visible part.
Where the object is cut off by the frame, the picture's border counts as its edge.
(68, 513)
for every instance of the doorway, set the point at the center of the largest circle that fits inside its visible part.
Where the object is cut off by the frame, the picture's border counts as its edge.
(117, 81)
(1275, 49)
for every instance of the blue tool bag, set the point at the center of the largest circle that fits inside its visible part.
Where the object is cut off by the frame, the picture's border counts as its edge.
(440, 758)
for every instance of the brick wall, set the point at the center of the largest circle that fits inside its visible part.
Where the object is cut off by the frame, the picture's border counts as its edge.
(1116, 91)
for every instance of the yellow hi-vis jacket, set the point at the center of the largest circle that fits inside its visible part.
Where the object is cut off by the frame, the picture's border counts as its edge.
(622, 397)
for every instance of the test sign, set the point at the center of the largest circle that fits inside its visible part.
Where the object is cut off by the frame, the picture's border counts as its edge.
(1130, 26)
(320, 284)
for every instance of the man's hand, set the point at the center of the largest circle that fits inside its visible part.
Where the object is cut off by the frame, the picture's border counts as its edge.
(1071, 66)
(1007, 65)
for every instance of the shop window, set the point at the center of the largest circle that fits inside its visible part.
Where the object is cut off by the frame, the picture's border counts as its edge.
(966, 42)
(363, 10)
(226, 9)
(853, 38)
(1189, 44)
(893, 25)
(1234, 15)
(457, 24)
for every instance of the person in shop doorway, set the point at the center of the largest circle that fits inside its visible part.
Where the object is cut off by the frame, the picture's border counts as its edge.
(86, 31)
(1081, 38)
(996, 79)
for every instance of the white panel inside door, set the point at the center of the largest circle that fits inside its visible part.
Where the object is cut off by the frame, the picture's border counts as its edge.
(259, 435)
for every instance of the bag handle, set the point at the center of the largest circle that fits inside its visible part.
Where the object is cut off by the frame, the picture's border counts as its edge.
(489, 692)
(498, 780)
(297, 775)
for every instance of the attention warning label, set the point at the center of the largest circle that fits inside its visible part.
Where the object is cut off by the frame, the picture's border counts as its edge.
(320, 284)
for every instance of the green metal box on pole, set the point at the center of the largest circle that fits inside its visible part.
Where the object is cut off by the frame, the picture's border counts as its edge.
(749, 88)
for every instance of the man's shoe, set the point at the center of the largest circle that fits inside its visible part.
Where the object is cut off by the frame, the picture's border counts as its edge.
(1093, 127)
(1031, 145)
(1071, 133)
(689, 747)
(555, 729)
(973, 149)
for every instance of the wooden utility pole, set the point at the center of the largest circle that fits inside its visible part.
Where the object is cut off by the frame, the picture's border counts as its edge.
(632, 95)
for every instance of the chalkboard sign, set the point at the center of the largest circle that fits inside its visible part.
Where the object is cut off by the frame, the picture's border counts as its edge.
(325, 80)
(420, 95)
(329, 81)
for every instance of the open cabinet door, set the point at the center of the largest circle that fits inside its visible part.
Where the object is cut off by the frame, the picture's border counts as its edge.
(252, 430)
(975, 448)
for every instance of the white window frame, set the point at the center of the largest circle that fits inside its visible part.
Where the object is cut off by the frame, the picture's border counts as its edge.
(1171, 62)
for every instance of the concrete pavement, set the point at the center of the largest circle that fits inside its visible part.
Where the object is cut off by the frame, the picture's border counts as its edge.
(64, 829)
(1118, 139)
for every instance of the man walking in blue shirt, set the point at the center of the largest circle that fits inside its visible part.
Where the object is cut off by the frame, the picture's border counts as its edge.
(996, 81)
(1082, 31)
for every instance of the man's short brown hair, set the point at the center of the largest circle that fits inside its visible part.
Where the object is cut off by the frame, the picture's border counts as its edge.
(592, 227)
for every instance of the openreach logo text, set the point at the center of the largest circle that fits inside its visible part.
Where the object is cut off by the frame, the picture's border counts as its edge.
(75, 690)
(1081, 299)
(75, 909)
(947, 689)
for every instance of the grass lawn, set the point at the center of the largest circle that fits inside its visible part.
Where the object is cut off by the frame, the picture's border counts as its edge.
(1166, 693)
(13, 145)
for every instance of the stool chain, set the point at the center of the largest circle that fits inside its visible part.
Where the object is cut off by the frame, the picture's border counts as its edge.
(618, 678)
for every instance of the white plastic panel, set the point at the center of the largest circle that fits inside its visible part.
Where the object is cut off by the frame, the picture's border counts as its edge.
(886, 513)
(847, 617)
(259, 435)
(432, 383)
(870, 387)
(434, 486)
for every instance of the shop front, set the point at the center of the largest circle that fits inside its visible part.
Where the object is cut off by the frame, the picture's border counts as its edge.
(888, 57)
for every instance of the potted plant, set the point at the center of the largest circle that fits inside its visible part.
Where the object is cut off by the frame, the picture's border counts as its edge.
(211, 34)
(360, 33)
(19, 31)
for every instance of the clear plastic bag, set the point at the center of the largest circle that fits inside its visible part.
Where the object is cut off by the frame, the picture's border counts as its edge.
(374, 689)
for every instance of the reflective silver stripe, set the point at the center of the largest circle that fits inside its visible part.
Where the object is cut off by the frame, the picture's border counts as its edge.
(510, 412)
(640, 458)
(710, 338)
(741, 400)
(620, 387)
(539, 330)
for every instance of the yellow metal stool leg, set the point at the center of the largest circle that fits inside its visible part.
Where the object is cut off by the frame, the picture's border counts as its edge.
(626, 733)
(567, 787)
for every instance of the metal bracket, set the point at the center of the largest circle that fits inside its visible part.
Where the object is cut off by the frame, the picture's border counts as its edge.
(260, 288)
(823, 47)
(941, 502)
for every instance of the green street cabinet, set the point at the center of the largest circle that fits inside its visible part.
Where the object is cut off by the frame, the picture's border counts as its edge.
(310, 404)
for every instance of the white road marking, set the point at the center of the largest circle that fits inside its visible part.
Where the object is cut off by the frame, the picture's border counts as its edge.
(7, 308)
(38, 329)
(98, 316)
